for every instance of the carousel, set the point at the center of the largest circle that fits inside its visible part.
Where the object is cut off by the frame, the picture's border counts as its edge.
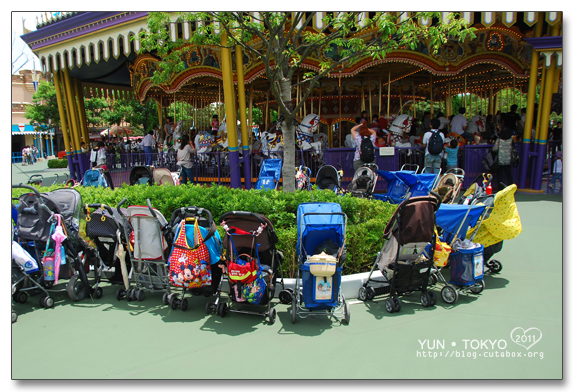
(511, 54)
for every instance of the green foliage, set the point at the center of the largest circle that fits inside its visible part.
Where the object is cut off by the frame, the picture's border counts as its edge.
(44, 107)
(95, 106)
(57, 163)
(365, 224)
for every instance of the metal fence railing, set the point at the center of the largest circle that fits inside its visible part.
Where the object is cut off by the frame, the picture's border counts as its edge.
(214, 167)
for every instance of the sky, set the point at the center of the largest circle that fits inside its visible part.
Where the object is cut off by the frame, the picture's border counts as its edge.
(22, 56)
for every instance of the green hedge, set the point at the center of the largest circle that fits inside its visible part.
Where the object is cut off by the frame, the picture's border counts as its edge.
(57, 163)
(366, 218)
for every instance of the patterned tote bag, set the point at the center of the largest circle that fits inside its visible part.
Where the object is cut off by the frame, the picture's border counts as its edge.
(190, 267)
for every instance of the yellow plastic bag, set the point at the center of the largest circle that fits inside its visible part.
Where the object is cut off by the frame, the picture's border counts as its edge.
(442, 251)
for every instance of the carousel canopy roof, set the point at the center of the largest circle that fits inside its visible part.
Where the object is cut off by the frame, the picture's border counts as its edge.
(100, 48)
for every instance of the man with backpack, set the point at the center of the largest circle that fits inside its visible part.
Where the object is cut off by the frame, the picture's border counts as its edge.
(433, 142)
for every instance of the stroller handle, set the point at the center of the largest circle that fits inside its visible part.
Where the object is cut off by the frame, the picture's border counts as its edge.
(242, 214)
(27, 187)
(151, 208)
(107, 208)
(196, 211)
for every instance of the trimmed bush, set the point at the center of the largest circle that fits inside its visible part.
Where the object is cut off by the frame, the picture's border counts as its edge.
(57, 163)
(365, 224)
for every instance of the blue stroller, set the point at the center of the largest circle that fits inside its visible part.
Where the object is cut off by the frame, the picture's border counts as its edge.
(466, 264)
(419, 184)
(396, 188)
(95, 178)
(270, 174)
(321, 255)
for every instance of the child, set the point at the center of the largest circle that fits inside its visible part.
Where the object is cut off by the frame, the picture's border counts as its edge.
(557, 171)
(215, 123)
(452, 151)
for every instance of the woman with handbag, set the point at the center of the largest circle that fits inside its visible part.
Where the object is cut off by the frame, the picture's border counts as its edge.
(503, 146)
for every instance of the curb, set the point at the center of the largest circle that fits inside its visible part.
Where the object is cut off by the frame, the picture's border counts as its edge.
(56, 170)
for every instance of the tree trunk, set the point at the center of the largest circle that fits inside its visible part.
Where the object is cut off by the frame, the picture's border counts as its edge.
(288, 129)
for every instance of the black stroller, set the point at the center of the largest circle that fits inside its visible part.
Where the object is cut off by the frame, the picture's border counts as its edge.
(140, 175)
(38, 215)
(404, 264)
(253, 263)
(364, 181)
(328, 177)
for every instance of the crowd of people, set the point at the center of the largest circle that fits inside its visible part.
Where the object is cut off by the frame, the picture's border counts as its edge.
(29, 155)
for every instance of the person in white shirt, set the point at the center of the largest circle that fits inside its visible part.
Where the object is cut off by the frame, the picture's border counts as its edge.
(147, 145)
(557, 171)
(443, 123)
(168, 129)
(432, 161)
(459, 125)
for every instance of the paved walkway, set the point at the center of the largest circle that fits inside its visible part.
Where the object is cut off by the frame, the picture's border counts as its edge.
(109, 339)
(22, 173)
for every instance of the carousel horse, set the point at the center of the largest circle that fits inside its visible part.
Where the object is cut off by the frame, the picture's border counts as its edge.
(177, 137)
(222, 138)
(205, 142)
(400, 125)
(476, 126)
(304, 134)
(270, 143)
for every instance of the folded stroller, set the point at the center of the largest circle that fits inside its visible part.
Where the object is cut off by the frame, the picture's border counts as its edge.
(403, 263)
(302, 178)
(140, 175)
(109, 231)
(148, 256)
(364, 181)
(449, 185)
(321, 255)
(48, 226)
(270, 174)
(195, 261)
(328, 177)
(162, 176)
(252, 265)
(93, 177)
(466, 260)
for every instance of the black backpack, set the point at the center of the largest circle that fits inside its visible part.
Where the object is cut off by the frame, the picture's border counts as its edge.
(367, 150)
(435, 143)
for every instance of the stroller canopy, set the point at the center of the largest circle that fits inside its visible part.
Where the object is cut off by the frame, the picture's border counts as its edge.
(503, 222)
(270, 174)
(141, 175)
(418, 184)
(396, 188)
(318, 222)
(451, 216)
(163, 176)
(327, 178)
(95, 178)
(69, 203)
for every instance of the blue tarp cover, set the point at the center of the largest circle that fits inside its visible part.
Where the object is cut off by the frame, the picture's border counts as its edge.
(315, 229)
(450, 216)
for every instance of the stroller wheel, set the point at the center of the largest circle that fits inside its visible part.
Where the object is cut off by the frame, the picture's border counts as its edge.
(396, 304)
(390, 305)
(184, 304)
(173, 301)
(293, 310)
(478, 287)
(449, 294)
(120, 294)
(14, 317)
(362, 294)
(424, 298)
(225, 309)
(285, 297)
(48, 285)
(49, 302)
(432, 280)
(140, 295)
(347, 313)
(165, 298)
(495, 266)
(22, 297)
(432, 297)
(76, 288)
(209, 307)
(370, 292)
(272, 316)
(98, 293)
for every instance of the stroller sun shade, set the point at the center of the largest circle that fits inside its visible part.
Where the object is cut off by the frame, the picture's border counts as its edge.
(396, 188)
(327, 178)
(418, 184)
(141, 175)
(314, 229)
(450, 216)
(270, 174)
